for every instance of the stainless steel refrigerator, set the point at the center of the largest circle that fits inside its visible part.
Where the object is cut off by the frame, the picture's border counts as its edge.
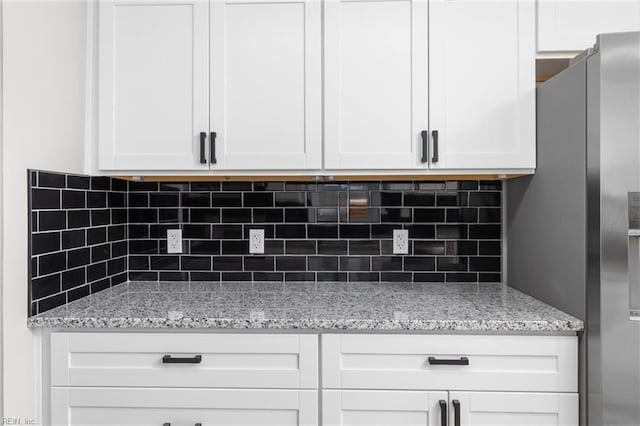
(573, 228)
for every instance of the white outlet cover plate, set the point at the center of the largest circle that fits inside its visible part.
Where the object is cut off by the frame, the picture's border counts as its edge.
(174, 240)
(256, 241)
(400, 241)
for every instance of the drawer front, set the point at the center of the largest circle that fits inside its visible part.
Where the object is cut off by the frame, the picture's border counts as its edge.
(171, 360)
(495, 363)
(144, 407)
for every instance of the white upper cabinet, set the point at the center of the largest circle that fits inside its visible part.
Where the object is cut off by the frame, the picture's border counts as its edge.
(572, 25)
(153, 84)
(316, 86)
(482, 84)
(376, 75)
(266, 84)
(188, 85)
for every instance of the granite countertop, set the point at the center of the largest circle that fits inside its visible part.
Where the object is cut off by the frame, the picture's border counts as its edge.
(312, 306)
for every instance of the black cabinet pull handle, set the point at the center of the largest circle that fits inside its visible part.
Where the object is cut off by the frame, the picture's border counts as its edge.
(456, 412)
(168, 359)
(203, 158)
(434, 159)
(443, 412)
(198, 424)
(212, 147)
(425, 146)
(435, 361)
(166, 424)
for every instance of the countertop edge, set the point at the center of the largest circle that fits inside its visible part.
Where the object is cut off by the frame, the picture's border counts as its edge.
(539, 326)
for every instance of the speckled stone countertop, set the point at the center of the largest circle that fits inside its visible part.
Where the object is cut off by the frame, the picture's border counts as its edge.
(311, 306)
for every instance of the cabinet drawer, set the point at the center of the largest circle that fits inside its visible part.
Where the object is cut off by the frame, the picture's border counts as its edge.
(498, 363)
(225, 360)
(143, 407)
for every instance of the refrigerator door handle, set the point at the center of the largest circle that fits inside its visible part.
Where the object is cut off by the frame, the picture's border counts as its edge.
(634, 274)
(633, 250)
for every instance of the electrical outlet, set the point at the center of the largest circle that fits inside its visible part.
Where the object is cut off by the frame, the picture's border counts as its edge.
(256, 241)
(400, 241)
(174, 240)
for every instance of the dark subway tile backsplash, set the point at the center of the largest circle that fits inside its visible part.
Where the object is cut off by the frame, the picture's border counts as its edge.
(92, 233)
(340, 231)
(74, 249)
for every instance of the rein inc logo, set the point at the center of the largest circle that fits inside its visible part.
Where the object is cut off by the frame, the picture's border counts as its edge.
(16, 421)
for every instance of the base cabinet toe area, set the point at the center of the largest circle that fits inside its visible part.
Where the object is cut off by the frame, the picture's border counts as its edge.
(333, 379)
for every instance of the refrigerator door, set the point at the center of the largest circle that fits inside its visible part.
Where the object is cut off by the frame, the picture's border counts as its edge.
(613, 171)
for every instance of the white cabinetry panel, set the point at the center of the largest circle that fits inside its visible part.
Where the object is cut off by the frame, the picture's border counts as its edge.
(113, 378)
(375, 62)
(254, 72)
(572, 25)
(227, 360)
(266, 87)
(143, 407)
(482, 83)
(516, 409)
(377, 408)
(152, 84)
(495, 363)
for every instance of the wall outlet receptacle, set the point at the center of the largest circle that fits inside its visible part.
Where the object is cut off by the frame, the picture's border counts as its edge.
(400, 241)
(256, 241)
(174, 240)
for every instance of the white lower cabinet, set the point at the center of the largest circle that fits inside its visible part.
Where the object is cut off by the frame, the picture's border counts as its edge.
(185, 360)
(182, 407)
(406, 408)
(435, 362)
(256, 379)
(449, 380)
(183, 379)
(513, 409)
(391, 408)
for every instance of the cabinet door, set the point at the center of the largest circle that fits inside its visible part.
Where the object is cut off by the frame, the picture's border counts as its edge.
(482, 83)
(266, 87)
(572, 25)
(144, 407)
(377, 408)
(515, 409)
(375, 65)
(153, 84)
